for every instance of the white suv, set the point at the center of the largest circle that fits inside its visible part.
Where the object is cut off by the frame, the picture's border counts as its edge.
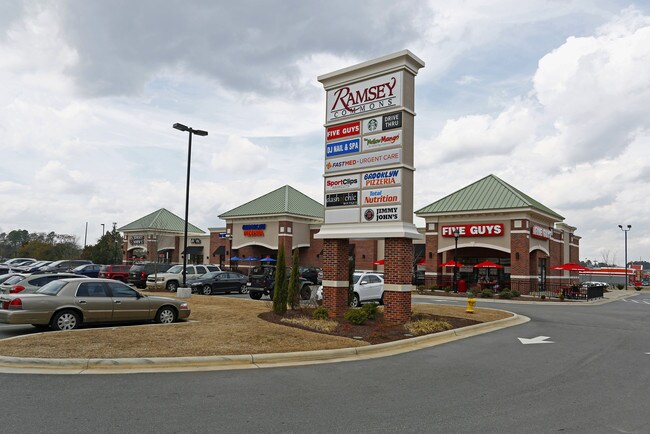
(368, 286)
(171, 279)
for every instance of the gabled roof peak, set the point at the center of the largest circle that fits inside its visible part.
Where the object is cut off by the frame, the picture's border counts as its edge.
(487, 194)
(283, 200)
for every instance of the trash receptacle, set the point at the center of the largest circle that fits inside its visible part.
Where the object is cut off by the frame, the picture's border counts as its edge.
(462, 286)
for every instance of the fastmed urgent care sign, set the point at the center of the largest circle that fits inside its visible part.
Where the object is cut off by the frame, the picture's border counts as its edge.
(368, 149)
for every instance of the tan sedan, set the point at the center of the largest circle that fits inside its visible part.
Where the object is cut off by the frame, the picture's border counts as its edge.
(67, 303)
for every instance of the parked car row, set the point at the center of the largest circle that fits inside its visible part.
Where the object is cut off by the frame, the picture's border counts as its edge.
(66, 304)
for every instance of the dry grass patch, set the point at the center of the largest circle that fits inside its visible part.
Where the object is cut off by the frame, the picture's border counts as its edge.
(426, 326)
(218, 326)
(321, 325)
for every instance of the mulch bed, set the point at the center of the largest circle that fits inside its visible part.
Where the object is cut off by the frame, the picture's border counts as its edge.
(373, 331)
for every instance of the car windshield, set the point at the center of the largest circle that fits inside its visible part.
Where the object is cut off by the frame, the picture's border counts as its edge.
(52, 288)
(356, 277)
(175, 269)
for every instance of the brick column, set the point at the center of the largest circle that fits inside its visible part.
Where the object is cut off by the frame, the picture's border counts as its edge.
(431, 274)
(398, 271)
(520, 262)
(285, 238)
(335, 276)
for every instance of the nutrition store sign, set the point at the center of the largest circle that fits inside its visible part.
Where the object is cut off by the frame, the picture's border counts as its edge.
(368, 149)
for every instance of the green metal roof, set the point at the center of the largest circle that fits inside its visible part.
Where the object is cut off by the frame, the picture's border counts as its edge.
(162, 220)
(489, 193)
(284, 200)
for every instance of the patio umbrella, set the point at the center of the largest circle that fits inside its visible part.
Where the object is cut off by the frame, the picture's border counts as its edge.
(250, 258)
(488, 265)
(451, 264)
(235, 258)
(268, 259)
(379, 262)
(421, 262)
(570, 266)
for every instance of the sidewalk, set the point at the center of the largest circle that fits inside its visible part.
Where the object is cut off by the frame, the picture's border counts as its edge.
(613, 295)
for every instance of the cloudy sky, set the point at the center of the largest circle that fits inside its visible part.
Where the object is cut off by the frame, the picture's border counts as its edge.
(551, 96)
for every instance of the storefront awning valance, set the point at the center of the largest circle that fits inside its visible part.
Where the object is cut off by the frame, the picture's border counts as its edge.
(221, 250)
(164, 249)
(194, 250)
(137, 248)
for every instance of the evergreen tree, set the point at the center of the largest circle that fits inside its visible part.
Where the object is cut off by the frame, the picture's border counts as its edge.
(294, 281)
(280, 290)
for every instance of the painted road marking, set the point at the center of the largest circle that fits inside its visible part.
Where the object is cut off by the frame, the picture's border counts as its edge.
(537, 340)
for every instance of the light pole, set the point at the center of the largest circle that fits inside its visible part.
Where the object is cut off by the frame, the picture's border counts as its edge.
(103, 231)
(626, 231)
(190, 131)
(456, 235)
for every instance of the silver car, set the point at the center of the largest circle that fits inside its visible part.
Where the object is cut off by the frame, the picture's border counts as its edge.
(66, 304)
(31, 282)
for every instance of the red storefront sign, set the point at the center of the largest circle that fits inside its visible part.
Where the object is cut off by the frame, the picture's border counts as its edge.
(475, 230)
(541, 232)
(343, 130)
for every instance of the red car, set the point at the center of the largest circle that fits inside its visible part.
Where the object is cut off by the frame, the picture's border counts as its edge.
(115, 272)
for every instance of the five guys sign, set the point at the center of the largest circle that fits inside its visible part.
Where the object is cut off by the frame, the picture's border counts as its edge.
(475, 230)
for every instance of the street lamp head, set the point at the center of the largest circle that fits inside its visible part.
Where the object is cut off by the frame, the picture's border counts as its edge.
(629, 226)
(200, 132)
(620, 226)
(456, 233)
(181, 127)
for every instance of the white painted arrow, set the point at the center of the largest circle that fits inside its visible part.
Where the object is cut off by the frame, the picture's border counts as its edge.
(537, 340)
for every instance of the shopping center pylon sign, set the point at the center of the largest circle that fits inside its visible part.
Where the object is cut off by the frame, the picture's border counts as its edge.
(368, 149)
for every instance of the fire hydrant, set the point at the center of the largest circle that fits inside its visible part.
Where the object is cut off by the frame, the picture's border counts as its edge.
(470, 302)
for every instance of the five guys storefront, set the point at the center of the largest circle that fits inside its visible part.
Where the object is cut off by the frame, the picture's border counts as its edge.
(490, 220)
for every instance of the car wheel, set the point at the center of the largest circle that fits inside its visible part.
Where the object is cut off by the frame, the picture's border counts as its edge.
(166, 315)
(305, 293)
(255, 295)
(207, 290)
(65, 320)
(243, 289)
(355, 301)
(172, 286)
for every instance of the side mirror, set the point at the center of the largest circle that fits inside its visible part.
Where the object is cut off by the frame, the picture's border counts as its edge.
(363, 282)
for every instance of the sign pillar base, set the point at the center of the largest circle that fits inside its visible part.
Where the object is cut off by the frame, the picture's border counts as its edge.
(398, 272)
(335, 276)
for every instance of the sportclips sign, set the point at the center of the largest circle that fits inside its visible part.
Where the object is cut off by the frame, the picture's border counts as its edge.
(379, 93)
(477, 230)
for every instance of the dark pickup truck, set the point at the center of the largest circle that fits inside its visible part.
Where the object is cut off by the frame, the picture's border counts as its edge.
(262, 282)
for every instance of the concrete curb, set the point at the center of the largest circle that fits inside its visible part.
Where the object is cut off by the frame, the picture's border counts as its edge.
(575, 303)
(171, 364)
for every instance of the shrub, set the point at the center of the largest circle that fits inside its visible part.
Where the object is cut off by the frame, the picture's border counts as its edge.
(370, 309)
(447, 289)
(543, 297)
(320, 313)
(356, 316)
(280, 291)
(425, 326)
(516, 293)
(506, 295)
(293, 288)
(619, 286)
(487, 293)
(638, 288)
